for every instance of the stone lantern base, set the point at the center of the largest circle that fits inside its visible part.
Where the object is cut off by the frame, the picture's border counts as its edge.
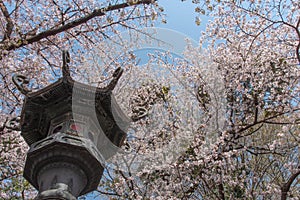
(63, 167)
(59, 191)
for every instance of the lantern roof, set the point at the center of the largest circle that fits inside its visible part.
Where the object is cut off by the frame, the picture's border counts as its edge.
(61, 97)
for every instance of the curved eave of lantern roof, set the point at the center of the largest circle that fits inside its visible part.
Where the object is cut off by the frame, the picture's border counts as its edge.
(35, 120)
(39, 106)
(66, 84)
(64, 88)
(52, 93)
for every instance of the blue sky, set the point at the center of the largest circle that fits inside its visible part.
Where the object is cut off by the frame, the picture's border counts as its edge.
(181, 17)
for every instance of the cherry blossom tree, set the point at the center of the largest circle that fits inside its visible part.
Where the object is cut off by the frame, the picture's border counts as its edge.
(239, 97)
(255, 46)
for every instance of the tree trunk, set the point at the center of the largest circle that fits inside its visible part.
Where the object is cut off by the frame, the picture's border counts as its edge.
(286, 187)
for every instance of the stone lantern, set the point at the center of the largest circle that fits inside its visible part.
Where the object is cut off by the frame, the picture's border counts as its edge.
(71, 128)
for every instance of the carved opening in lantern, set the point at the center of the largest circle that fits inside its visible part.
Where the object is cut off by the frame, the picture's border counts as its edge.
(57, 129)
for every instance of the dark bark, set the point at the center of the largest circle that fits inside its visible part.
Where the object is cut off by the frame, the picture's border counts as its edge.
(221, 192)
(286, 187)
(72, 24)
(9, 24)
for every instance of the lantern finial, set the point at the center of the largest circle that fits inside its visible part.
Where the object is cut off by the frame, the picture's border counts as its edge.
(66, 61)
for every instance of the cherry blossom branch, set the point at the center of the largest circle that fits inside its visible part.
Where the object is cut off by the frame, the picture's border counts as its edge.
(286, 187)
(266, 120)
(9, 25)
(298, 34)
(210, 189)
(72, 24)
(264, 171)
(128, 181)
(221, 191)
(6, 86)
(257, 35)
(108, 193)
(296, 28)
(48, 62)
(17, 6)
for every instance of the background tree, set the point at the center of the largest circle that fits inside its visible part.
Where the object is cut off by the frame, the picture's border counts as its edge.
(255, 155)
